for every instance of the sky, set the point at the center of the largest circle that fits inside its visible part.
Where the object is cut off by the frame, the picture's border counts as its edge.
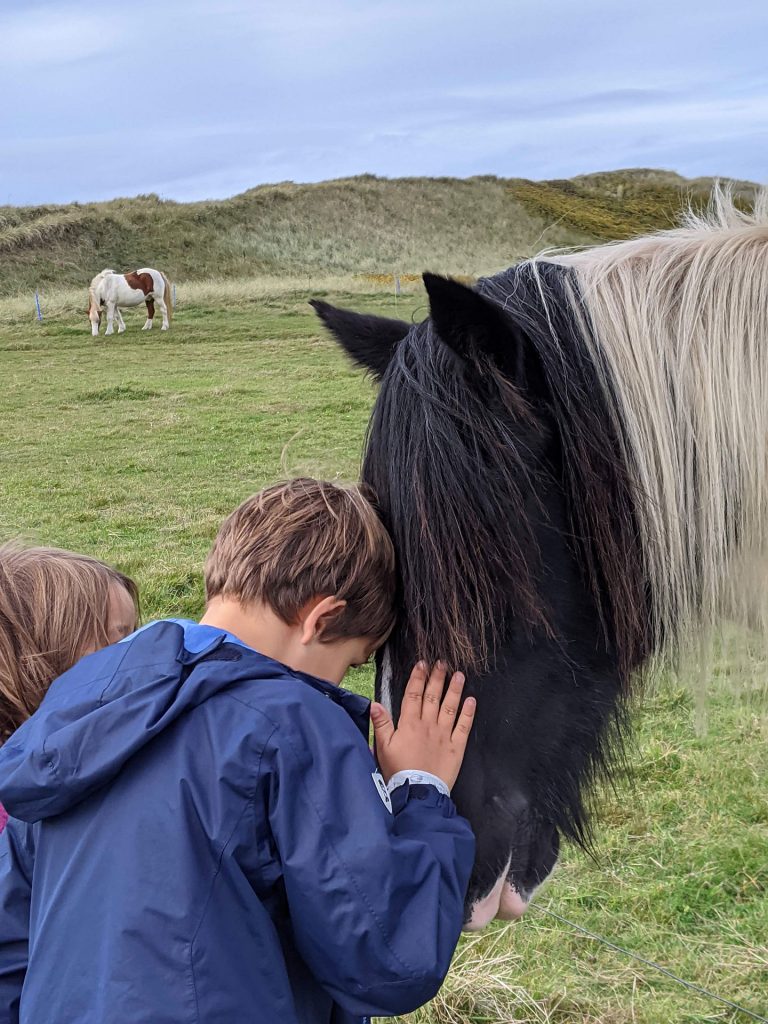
(197, 100)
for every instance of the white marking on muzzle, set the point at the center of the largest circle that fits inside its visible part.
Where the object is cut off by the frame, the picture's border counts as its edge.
(503, 901)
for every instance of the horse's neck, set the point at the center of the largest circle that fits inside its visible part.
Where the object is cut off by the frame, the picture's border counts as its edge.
(99, 282)
(104, 288)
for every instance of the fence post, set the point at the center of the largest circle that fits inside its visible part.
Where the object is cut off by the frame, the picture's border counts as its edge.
(397, 285)
(37, 307)
(173, 294)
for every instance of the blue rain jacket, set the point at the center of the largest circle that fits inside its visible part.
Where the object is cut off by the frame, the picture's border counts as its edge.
(197, 835)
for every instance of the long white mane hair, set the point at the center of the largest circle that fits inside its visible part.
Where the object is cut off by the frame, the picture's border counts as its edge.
(95, 288)
(678, 325)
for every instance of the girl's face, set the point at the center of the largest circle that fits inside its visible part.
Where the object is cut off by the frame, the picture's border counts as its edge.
(121, 616)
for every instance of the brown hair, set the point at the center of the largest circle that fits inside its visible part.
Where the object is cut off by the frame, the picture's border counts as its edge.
(54, 607)
(307, 538)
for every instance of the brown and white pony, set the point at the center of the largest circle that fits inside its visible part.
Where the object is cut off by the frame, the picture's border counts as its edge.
(109, 291)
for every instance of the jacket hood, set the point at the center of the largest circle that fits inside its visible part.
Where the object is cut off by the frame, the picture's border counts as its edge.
(97, 715)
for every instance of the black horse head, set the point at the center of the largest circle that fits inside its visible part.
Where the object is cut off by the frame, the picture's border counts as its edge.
(499, 475)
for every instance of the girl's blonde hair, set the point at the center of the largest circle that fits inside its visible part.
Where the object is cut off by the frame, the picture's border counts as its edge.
(54, 607)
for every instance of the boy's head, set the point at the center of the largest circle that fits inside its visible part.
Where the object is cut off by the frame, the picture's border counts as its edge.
(311, 552)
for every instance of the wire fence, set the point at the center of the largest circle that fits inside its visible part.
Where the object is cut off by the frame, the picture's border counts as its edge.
(650, 963)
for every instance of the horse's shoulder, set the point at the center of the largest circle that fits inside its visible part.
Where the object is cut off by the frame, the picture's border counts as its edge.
(140, 280)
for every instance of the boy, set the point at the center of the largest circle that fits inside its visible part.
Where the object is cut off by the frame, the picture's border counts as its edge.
(210, 839)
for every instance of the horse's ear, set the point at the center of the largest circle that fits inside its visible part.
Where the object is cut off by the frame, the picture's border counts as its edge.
(471, 324)
(369, 340)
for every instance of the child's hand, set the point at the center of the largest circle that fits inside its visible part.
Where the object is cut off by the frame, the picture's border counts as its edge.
(429, 736)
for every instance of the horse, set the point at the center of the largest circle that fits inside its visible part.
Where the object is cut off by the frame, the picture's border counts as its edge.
(572, 459)
(112, 290)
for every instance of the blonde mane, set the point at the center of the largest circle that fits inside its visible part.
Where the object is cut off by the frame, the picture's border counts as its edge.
(677, 323)
(94, 297)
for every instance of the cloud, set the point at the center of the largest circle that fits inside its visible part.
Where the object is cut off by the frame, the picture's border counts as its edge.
(51, 36)
(194, 99)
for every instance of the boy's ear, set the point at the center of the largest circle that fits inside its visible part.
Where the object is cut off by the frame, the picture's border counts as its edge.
(317, 616)
(472, 325)
(369, 340)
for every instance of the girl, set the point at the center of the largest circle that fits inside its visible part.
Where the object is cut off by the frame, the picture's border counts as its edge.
(55, 607)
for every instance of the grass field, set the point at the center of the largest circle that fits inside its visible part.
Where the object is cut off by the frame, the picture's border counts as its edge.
(133, 448)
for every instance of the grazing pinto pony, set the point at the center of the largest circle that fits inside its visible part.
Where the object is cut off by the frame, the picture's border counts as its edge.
(109, 291)
(572, 458)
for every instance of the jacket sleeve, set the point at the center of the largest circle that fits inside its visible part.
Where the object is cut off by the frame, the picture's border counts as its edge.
(376, 897)
(16, 859)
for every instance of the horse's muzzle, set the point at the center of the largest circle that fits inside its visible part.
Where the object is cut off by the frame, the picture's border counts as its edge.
(503, 901)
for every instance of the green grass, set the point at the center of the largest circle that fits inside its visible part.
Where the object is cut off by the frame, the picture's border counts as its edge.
(681, 877)
(133, 448)
(138, 445)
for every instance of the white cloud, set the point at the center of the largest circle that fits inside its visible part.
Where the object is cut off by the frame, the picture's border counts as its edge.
(239, 92)
(51, 35)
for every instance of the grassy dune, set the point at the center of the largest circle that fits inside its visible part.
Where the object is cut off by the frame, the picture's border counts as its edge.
(618, 204)
(133, 448)
(362, 225)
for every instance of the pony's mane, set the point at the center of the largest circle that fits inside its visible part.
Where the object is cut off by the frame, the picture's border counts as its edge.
(457, 457)
(677, 327)
(100, 277)
(93, 288)
(454, 486)
(543, 301)
(655, 356)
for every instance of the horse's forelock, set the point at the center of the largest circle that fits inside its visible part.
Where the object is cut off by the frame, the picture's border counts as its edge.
(450, 457)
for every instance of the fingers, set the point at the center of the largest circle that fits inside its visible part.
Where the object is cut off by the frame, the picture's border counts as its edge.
(433, 692)
(450, 705)
(464, 723)
(414, 692)
(423, 699)
(433, 727)
(383, 726)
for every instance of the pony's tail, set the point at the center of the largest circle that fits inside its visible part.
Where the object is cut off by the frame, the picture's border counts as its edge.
(167, 296)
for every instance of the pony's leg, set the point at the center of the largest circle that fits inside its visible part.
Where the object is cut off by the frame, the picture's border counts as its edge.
(150, 315)
(164, 310)
(120, 321)
(111, 307)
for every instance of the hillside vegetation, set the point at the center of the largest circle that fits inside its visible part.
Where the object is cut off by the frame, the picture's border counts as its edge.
(362, 225)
